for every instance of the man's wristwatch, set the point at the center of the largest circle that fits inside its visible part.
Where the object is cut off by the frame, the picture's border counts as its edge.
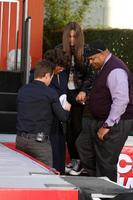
(105, 125)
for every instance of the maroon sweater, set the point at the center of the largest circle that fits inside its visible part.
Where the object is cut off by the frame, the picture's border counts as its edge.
(100, 98)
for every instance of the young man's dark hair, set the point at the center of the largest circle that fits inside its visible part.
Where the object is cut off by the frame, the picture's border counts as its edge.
(58, 83)
(58, 57)
(43, 67)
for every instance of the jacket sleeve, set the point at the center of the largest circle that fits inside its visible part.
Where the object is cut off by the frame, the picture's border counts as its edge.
(57, 109)
(88, 79)
(59, 112)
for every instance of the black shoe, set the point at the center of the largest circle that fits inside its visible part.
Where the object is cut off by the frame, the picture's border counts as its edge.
(68, 168)
(76, 168)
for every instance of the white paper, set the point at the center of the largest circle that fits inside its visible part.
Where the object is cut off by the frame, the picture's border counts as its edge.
(63, 100)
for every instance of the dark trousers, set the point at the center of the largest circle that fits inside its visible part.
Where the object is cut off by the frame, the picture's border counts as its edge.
(74, 127)
(100, 157)
(42, 151)
(57, 139)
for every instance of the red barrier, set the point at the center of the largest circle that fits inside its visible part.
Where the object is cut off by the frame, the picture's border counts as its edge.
(38, 194)
(125, 167)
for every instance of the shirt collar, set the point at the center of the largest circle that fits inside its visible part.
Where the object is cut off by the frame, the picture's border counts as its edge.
(106, 60)
(39, 82)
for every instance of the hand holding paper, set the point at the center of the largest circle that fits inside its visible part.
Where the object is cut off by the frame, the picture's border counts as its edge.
(65, 104)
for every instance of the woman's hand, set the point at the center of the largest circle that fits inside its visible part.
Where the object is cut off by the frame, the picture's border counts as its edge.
(58, 69)
(81, 97)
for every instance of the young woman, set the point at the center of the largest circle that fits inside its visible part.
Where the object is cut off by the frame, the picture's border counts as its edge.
(74, 81)
(73, 46)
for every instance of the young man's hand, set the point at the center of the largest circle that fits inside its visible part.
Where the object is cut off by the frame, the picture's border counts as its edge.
(67, 106)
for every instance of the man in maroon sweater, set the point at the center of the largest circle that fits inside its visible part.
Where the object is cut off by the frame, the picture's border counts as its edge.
(111, 107)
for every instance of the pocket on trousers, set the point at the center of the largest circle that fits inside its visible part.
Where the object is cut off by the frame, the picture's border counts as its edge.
(21, 142)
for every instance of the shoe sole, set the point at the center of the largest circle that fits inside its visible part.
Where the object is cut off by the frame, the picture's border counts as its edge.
(74, 173)
(67, 170)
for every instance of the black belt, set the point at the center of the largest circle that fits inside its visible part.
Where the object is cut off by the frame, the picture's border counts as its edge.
(33, 136)
(27, 135)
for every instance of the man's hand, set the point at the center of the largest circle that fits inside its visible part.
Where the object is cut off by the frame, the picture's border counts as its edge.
(81, 97)
(67, 106)
(102, 132)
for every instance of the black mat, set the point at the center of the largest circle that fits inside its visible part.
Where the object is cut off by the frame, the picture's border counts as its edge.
(94, 185)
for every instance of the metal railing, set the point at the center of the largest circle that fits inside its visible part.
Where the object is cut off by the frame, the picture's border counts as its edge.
(25, 38)
(25, 42)
(9, 4)
(26, 59)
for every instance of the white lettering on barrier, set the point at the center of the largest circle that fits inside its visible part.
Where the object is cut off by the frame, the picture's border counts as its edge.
(128, 164)
(125, 170)
(129, 183)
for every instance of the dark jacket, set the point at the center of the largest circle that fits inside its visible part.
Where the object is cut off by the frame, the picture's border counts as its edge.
(59, 83)
(83, 74)
(36, 105)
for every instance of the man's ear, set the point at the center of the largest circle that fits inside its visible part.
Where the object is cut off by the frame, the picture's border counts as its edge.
(47, 75)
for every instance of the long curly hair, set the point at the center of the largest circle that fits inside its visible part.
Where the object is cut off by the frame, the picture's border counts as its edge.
(79, 43)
